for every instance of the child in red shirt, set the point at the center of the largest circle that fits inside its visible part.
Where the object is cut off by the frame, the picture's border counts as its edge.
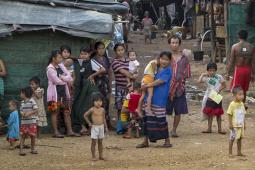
(134, 98)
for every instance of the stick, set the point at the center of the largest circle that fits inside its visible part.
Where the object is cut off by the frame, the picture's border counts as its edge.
(50, 146)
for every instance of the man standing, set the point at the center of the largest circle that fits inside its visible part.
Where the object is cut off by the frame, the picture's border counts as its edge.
(181, 71)
(241, 63)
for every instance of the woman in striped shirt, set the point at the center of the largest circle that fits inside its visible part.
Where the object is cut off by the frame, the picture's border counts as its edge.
(120, 67)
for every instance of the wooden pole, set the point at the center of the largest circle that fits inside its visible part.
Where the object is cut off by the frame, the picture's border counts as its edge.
(226, 3)
(194, 21)
(213, 33)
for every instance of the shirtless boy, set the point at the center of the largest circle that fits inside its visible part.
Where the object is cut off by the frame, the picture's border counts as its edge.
(98, 125)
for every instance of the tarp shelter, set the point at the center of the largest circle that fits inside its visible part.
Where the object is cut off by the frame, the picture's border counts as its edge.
(237, 14)
(90, 19)
(31, 29)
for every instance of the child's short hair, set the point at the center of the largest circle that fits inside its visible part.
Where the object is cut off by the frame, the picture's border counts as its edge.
(35, 79)
(137, 85)
(14, 102)
(85, 50)
(68, 62)
(118, 45)
(96, 97)
(132, 51)
(237, 89)
(27, 91)
(243, 34)
(97, 44)
(65, 47)
(166, 53)
(211, 66)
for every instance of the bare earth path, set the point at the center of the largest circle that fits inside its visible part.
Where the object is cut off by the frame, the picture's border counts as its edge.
(193, 150)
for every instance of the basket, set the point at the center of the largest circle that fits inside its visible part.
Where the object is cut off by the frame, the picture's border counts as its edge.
(198, 55)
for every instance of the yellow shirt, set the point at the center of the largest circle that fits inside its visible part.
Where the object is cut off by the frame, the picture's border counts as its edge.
(237, 111)
(149, 70)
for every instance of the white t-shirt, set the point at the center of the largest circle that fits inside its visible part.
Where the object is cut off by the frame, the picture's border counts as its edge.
(95, 65)
(133, 66)
(213, 83)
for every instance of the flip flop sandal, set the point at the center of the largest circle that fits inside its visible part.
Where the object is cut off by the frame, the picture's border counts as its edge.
(222, 133)
(174, 135)
(167, 146)
(74, 135)
(207, 132)
(24, 147)
(142, 146)
(127, 137)
(34, 152)
(22, 154)
(153, 141)
(58, 136)
(87, 133)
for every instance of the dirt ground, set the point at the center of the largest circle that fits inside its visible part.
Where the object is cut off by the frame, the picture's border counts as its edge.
(192, 150)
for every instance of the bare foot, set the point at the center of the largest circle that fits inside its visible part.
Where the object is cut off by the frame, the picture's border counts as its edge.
(207, 131)
(127, 137)
(240, 154)
(230, 155)
(139, 111)
(148, 109)
(94, 159)
(11, 147)
(101, 158)
(174, 135)
(34, 152)
(221, 132)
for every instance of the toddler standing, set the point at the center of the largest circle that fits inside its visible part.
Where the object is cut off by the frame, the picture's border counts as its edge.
(28, 112)
(135, 118)
(13, 124)
(210, 108)
(236, 113)
(98, 125)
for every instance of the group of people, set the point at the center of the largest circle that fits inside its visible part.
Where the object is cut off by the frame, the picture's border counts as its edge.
(79, 89)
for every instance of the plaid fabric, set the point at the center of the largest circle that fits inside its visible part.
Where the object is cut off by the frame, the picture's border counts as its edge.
(181, 71)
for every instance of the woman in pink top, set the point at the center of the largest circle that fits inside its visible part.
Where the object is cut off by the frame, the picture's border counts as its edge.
(58, 95)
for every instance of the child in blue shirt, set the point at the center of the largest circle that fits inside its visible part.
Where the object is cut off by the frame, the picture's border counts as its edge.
(13, 124)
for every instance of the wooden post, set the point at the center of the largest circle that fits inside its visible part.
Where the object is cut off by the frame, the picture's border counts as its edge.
(227, 45)
(213, 43)
(194, 22)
